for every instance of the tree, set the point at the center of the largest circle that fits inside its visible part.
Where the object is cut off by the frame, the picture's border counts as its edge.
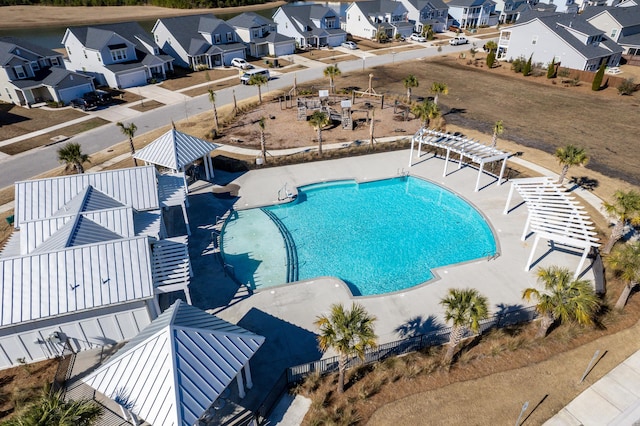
(318, 120)
(71, 154)
(425, 111)
(563, 298)
(52, 410)
(498, 129)
(263, 141)
(625, 263)
(129, 131)
(332, 71)
(212, 99)
(439, 89)
(551, 69)
(465, 309)
(371, 127)
(409, 82)
(528, 67)
(381, 35)
(349, 332)
(491, 45)
(491, 58)
(597, 79)
(568, 156)
(258, 80)
(625, 210)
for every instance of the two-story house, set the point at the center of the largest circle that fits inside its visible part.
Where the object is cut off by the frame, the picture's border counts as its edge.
(117, 55)
(311, 25)
(510, 10)
(620, 24)
(365, 19)
(563, 6)
(422, 13)
(473, 13)
(198, 41)
(568, 39)
(30, 74)
(261, 35)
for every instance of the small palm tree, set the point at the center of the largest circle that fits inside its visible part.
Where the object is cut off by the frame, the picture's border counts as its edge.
(465, 309)
(332, 71)
(625, 210)
(263, 141)
(71, 155)
(318, 120)
(426, 111)
(498, 129)
(568, 156)
(258, 80)
(439, 89)
(491, 45)
(625, 262)
(372, 127)
(212, 99)
(563, 298)
(409, 82)
(349, 332)
(129, 131)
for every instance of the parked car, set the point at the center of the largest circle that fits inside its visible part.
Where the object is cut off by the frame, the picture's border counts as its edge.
(83, 104)
(349, 45)
(246, 76)
(417, 37)
(458, 40)
(240, 63)
(99, 97)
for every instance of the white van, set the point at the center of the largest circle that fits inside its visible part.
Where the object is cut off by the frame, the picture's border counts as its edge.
(244, 78)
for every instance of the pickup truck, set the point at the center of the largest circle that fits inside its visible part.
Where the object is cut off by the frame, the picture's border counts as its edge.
(458, 40)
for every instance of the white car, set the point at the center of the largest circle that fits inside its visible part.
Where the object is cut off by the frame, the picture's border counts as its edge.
(349, 45)
(458, 40)
(417, 37)
(240, 63)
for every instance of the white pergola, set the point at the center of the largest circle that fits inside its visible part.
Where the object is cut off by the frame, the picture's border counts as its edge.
(176, 151)
(474, 150)
(554, 215)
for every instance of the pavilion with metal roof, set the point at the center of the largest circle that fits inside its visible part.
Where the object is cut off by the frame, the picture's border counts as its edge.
(176, 151)
(554, 215)
(474, 150)
(174, 371)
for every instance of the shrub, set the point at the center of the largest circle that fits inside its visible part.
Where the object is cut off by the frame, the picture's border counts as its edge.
(563, 73)
(526, 69)
(491, 59)
(551, 69)
(597, 80)
(517, 65)
(627, 87)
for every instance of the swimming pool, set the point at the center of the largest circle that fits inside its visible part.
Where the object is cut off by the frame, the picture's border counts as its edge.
(378, 237)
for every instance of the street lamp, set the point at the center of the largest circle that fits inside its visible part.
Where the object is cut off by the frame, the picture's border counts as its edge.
(393, 55)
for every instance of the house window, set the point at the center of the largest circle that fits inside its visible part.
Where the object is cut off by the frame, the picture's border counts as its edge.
(54, 62)
(229, 37)
(35, 66)
(85, 53)
(256, 34)
(534, 39)
(20, 72)
(217, 38)
(118, 54)
(614, 32)
(68, 52)
(157, 38)
(98, 56)
(358, 18)
(464, 11)
(8, 93)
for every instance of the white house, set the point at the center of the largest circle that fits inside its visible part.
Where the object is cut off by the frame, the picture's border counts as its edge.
(620, 24)
(89, 255)
(509, 11)
(198, 40)
(365, 19)
(472, 13)
(567, 39)
(310, 25)
(427, 12)
(117, 55)
(563, 6)
(261, 35)
(30, 74)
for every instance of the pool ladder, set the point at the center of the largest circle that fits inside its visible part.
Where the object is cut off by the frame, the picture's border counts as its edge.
(493, 256)
(402, 172)
(285, 194)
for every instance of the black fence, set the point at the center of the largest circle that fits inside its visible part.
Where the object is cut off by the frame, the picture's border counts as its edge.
(65, 365)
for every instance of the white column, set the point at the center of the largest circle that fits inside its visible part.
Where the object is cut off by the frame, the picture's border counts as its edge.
(526, 227)
(533, 250)
(413, 139)
(446, 162)
(187, 294)
(210, 160)
(583, 259)
(506, 206)
(205, 163)
(241, 392)
(504, 166)
(247, 372)
(479, 174)
(186, 218)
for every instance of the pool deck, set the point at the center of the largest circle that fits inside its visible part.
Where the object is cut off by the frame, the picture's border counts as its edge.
(285, 314)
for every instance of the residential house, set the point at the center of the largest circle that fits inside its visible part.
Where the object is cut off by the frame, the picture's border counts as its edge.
(568, 39)
(563, 6)
(311, 25)
(117, 55)
(622, 25)
(423, 13)
(261, 35)
(510, 10)
(198, 41)
(473, 13)
(89, 255)
(366, 19)
(30, 74)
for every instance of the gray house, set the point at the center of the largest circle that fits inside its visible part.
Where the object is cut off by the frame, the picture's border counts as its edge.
(473, 13)
(622, 25)
(310, 25)
(260, 34)
(423, 13)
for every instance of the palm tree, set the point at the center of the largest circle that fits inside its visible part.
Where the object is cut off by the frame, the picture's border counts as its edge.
(568, 156)
(263, 141)
(129, 131)
(498, 129)
(625, 262)
(71, 154)
(439, 89)
(491, 45)
(626, 211)
(318, 120)
(52, 410)
(409, 82)
(371, 127)
(425, 111)
(349, 332)
(465, 309)
(332, 71)
(564, 298)
(212, 99)
(258, 80)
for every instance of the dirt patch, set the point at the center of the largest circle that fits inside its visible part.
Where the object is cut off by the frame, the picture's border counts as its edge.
(183, 78)
(147, 105)
(18, 121)
(20, 385)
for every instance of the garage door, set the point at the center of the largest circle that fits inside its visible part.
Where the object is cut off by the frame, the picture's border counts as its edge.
(285, 49)
(138, 78)
(74, 92)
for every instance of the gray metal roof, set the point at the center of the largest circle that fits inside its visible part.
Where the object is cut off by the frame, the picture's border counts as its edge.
(15, 47)
(625, 16)
(632, 40)
(187, 31)
(175, 368)
(97, 36)
(371, 7)
(249, 20)
(469, 3)
(302, 17)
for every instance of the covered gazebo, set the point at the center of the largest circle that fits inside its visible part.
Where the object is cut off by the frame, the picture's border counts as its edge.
(177, 151)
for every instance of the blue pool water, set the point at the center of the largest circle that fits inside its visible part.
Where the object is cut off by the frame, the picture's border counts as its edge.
(378, 237)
